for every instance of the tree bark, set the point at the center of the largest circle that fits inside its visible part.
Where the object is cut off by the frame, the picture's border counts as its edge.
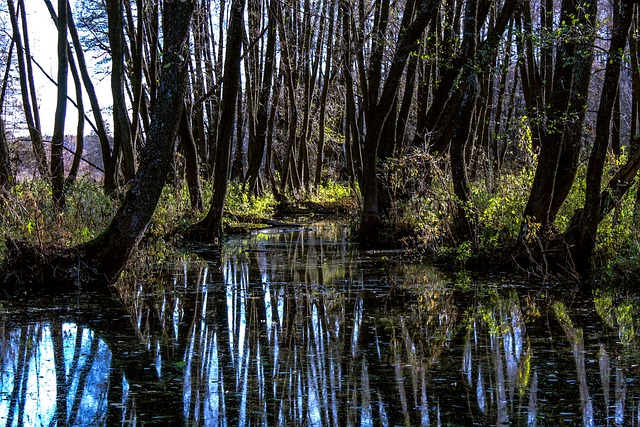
(211, 225)
(408, 36)
(26, 84)
(591, 213)
(106, 255)
(109, 184)
(469, 87)
(122, 139)
(191, 158)
(57, 140)
(77, 156)
(323, 97)
(560, 141)
(6, 174)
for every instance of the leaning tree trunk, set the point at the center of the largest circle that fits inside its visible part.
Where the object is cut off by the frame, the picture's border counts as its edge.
(97, 264)
(109, 252)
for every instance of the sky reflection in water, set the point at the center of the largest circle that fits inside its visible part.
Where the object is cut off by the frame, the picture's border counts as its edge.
(301, 328)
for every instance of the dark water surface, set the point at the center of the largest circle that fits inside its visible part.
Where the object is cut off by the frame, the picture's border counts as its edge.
(300, 328)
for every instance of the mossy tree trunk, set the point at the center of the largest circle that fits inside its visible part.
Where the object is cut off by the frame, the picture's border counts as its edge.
(98, 263)
(109, 252)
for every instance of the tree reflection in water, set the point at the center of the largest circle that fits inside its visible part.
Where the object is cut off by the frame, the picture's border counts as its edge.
(300, 328)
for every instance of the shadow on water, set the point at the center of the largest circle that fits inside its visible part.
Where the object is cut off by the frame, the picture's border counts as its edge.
(298, 327)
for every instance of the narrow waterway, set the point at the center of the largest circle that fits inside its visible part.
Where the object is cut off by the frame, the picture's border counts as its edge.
(298, 327)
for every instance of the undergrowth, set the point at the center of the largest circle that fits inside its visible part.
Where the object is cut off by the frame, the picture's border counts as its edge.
(28, 214)
(422, 205)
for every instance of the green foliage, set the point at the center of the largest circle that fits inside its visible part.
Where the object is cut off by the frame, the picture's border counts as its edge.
(422, 200)
(332, 192)
(173, 211)
(339, 196)
(239, 202)
(28, 214)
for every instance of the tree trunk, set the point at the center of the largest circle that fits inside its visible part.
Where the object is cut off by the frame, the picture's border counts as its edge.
(122, 139)
(57, 141)
(191, 158)
(26, 84)
(408, 37)
(77, 156)
(560, 142)
(101, 131)
(6, 175)
(469, 87)
(237, 168)
(106, 255)
(323, 97)
(591, 215)
(211, 225)
(257, 138)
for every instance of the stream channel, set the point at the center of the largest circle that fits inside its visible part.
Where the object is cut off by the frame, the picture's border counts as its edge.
(299, 327)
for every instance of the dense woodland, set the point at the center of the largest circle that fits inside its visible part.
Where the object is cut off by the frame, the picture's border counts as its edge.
(483, 127)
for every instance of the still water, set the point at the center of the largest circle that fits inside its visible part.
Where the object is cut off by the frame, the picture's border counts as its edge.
(298, 327)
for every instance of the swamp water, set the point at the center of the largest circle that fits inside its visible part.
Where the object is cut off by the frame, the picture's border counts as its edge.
(301, 328)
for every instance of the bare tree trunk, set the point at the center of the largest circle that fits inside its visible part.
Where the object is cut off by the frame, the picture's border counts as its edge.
(57, 141)
(121, 125)
(211, 225)
(408, 36)
(561, 140)
(109, 184)
(6, 175)
(257, 138)
(191, 157)
(26, 80)
(591, 214)
(77, 156)
(237, 168)
(469, 88)
(328, 71)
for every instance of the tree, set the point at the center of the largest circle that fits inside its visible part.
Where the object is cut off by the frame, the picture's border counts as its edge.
(97, 263)
(57, 141)
(588, 219)
(6, 174)
(123, 143)
(211, 225)
(27, 86)
(100, 128)
(557, 124)
(107, 254)
(262, 87)
(379, 109)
